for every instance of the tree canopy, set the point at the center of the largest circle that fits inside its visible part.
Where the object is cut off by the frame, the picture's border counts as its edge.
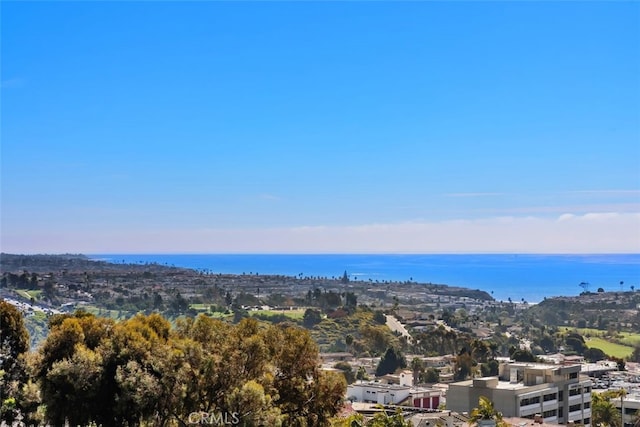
(143, 370)
(603, 412)
(392, 360)
(486, 411)
(14, 343)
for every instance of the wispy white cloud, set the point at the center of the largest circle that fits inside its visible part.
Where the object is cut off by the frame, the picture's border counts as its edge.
(566, 217)
(267, 196)
(558, 209)
(609, 232)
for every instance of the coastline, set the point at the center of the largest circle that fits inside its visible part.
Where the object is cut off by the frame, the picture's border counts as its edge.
(528, 277)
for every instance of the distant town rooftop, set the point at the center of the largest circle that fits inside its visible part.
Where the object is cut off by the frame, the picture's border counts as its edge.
(538, 365)
(379, 385)
(503, 385)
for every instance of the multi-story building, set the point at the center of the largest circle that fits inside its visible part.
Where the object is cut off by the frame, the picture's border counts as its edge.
(629, 407)
(557, 394)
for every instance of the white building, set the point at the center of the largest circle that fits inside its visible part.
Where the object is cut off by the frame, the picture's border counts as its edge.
(629, 406)
(557, 394)
(403, 378)
(393, 389)
(375, 392)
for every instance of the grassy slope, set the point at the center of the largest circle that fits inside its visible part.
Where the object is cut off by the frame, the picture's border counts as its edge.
(297, 314)
(609, 348)
(597, 338)
(630, 338)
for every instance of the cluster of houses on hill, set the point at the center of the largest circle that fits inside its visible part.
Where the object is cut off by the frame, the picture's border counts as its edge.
(556, 391)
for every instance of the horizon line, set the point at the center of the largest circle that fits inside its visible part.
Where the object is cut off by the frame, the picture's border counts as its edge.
(326, 253)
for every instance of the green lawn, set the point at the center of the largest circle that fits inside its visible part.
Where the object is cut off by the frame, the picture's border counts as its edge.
(200, 307)
(611, 349)
(205, 309)
(292, 314)
(35, 294)
(29, 294)
(218, 315)
(297, 314)
(22, 293)
(585, 331)
(630, 338)
(103, 312)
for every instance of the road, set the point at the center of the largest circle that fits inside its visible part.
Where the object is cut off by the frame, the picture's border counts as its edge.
(26, 306)
(395, 325)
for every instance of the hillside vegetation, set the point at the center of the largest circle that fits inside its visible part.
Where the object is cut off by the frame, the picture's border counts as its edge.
(144, 371)
(608, 311)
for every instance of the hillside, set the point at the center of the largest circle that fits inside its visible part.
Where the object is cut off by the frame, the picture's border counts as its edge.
(601, 310)
(46, 283)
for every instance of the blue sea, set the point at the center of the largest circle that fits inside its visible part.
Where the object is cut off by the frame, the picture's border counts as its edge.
(528, 277)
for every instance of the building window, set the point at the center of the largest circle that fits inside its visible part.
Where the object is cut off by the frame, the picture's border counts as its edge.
(575, 392)
(548, 397)
(587, 405)
(530, 401)
(587, 421)
(560, 395)
(548, 414)
(574, 408)
(573, 375)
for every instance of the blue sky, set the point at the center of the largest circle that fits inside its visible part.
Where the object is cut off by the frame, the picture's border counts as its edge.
(320, 127)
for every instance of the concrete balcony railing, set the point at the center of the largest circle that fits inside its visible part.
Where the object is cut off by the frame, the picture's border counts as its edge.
(576, 398)
(578, 415)
(529, 409)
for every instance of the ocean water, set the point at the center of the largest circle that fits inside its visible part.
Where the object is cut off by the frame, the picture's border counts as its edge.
(519, 277)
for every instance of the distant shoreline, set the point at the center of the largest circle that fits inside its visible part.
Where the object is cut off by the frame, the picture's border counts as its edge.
(531, 277)
(515, 277)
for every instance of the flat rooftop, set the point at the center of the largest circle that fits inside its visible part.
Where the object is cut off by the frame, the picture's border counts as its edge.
(506, 385)
(534, 365)
(502, 385)
(380, 385)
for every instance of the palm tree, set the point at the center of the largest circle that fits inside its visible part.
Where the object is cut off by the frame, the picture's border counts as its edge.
(636, 422)
(452, 338)
(604, 413)
(622, 393)
(479, 350)
(348, 340)
(416, 366)
(486, 412)
(382, 419)
(493, 346)
(440, 335)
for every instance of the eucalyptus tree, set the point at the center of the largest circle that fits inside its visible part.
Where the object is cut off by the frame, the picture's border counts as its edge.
(143, 371)
(14, 343)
